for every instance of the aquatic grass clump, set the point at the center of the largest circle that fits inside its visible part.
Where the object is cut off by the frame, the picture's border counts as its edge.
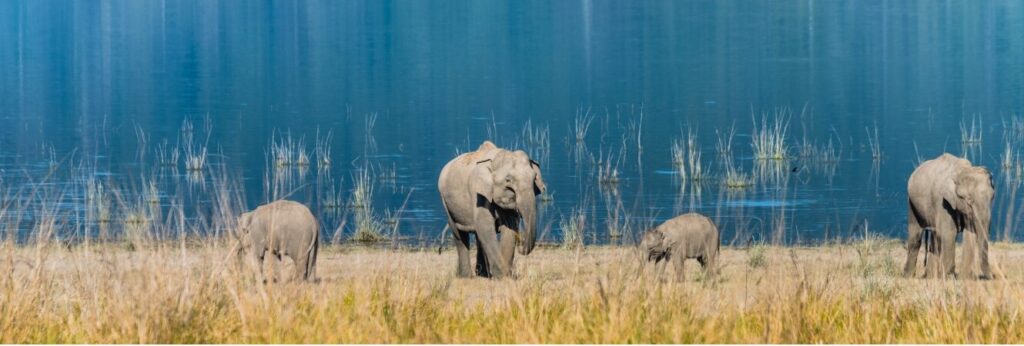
(971, 134)
(195, 151)
(166, 155)
(362, 192)
(1009, 158)
(322, 149)
(581, 124)
(286, 151)
(98, 204)
(537, 141)
(815, 154)
(573, 228)
(368, 226)
(769, 139)
(735, 179)
(679, 156)
(723, 141)
(693, 153)
(333, 197)
(608, 171)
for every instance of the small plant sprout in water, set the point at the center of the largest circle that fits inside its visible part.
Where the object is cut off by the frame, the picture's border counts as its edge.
(693, 152)
(195, 151)
(581, 125)
(572, 228)
(334, 197)
(679, 156)
(167, 155)
(608, 171)
(302, 160)
(389, 174)
(874, 143)
(769, 139)
(322, 149)
(735, 179)
(723, 141)
(1010, 158)
(971, 134)
(286, 151)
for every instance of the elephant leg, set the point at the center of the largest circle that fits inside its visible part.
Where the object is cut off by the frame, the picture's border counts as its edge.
(508, 247)
(914, 234)
(707, 265)
(967, 258)
(482, 267)
(462, 248)
(276, 262)
(931, 257)
(257, 261)
(299, 274)
(487, 238)
(986, 267)
(678, 262)
(947, 253)
(492, 251)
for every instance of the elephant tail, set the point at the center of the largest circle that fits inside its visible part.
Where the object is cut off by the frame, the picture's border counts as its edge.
(311, 254)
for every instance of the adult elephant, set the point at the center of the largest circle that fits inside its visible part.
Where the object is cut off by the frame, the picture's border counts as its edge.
(949, 195)
(489, 192)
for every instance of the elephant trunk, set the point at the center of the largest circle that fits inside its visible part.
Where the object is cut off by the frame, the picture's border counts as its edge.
(981, 221)
(526, 205)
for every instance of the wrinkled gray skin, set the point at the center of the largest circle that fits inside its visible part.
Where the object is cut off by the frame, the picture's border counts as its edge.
(687, 236)
(948, 195)
(491, 191)
(281, 228)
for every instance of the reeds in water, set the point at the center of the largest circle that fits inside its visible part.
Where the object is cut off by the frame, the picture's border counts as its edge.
(768, 140)
(971, 134)
(581, 124)
(368, 226)
(573, 228)
(195, 149)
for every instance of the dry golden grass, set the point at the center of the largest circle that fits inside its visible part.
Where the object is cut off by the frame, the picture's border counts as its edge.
(176, 293)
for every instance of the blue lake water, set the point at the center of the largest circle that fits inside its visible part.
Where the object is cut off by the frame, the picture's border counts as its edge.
(402, 87)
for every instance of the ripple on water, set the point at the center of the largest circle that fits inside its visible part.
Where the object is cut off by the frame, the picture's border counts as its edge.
(768, 203)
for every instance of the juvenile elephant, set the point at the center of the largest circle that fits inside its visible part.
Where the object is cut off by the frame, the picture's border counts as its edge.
(948, 195)
(283, 228)
(684, 237)
(489, 192)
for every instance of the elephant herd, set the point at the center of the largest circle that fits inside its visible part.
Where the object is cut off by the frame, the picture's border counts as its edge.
(492, 193)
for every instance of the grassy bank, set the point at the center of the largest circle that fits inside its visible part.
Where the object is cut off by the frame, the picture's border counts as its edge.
(180, 292)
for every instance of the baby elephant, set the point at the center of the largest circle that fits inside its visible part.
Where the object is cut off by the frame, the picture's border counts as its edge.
(283, 228)
(685, 236)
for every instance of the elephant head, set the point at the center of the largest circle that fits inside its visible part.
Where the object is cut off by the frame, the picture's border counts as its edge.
(974, 194)
(653, 245)
(515, 184)
(242, 233)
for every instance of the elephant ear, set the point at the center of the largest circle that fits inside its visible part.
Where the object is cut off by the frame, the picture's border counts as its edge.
(538, 181)
(966, 185)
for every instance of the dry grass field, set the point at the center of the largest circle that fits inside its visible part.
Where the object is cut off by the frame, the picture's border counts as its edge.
(187, 293)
